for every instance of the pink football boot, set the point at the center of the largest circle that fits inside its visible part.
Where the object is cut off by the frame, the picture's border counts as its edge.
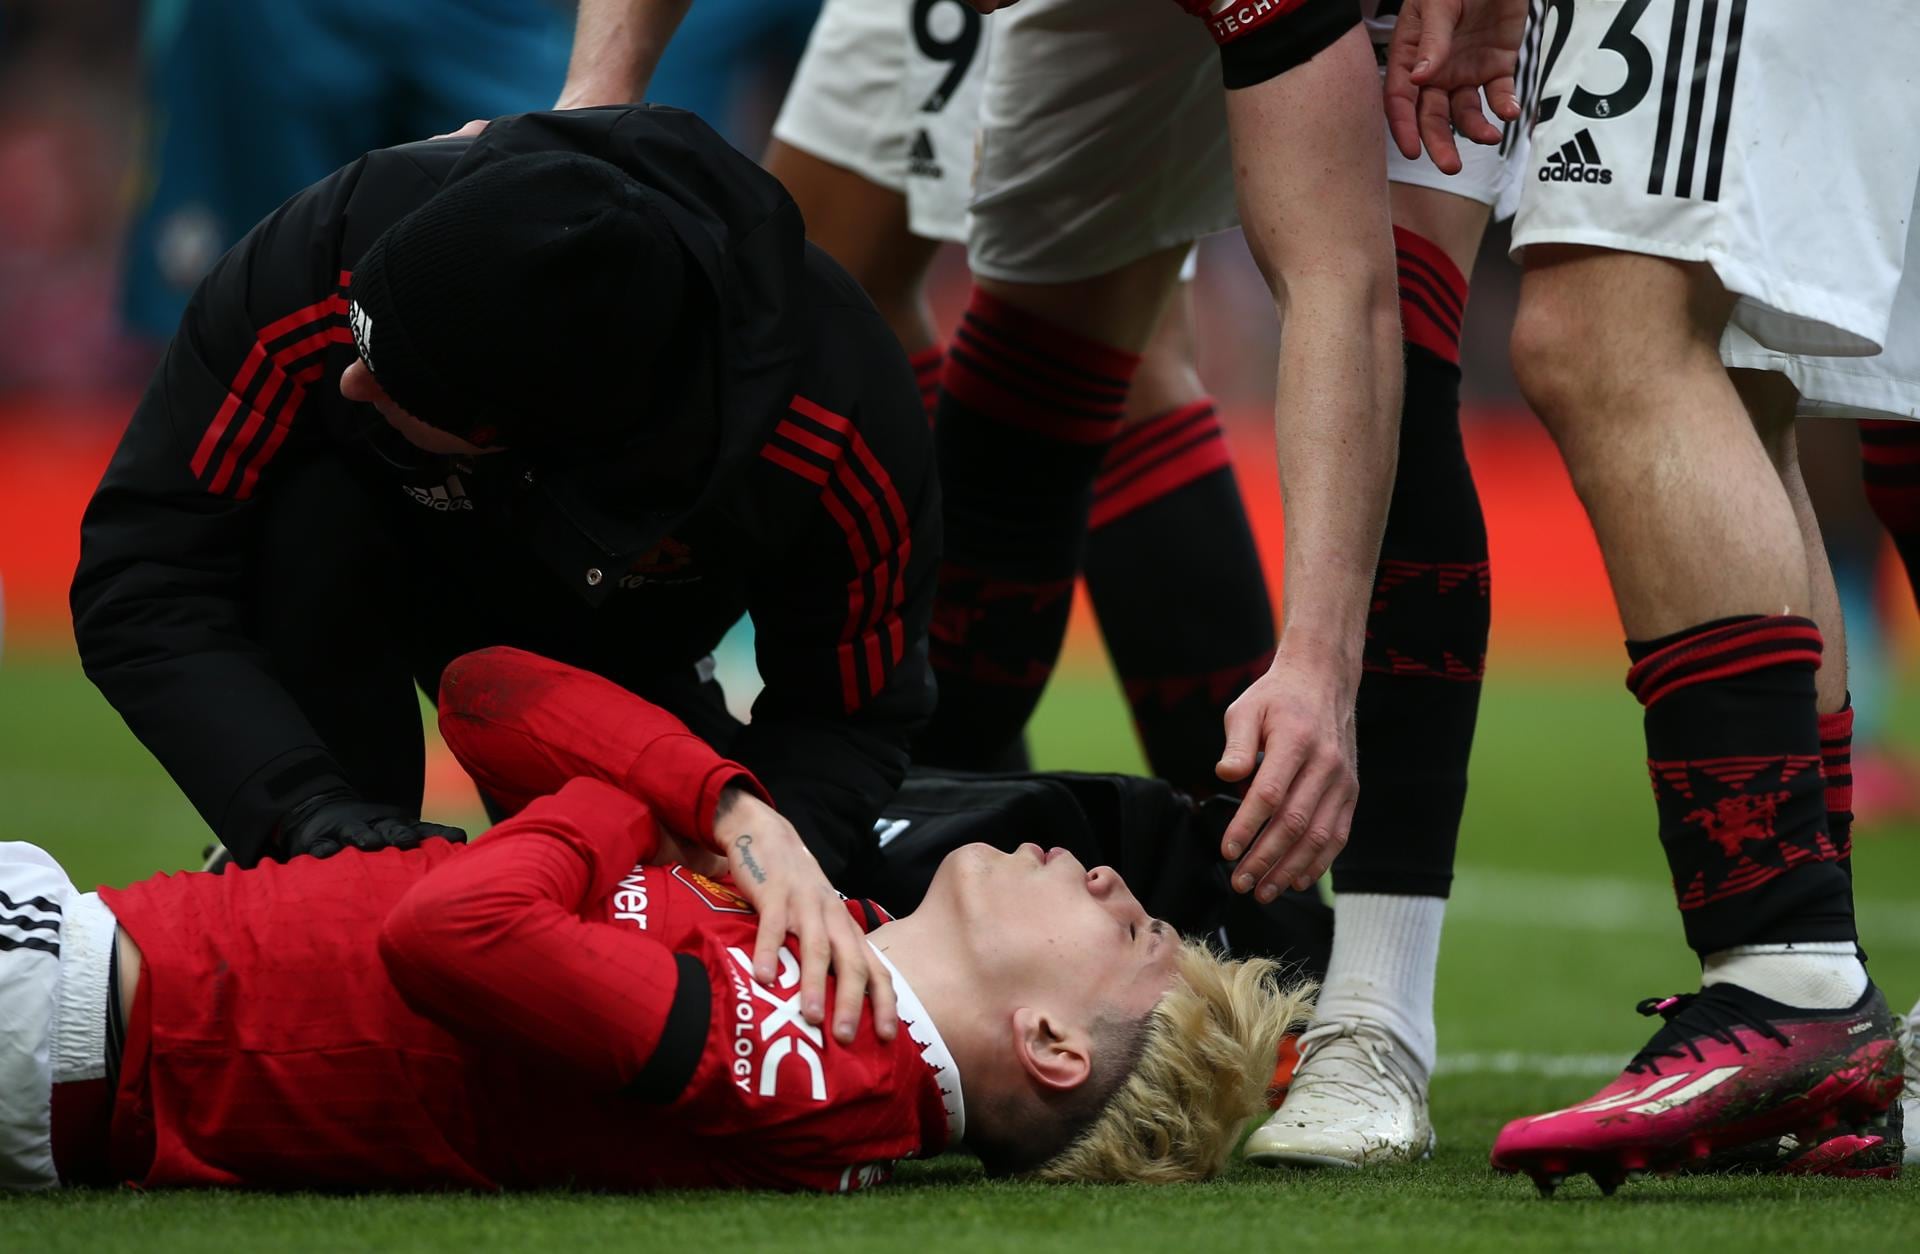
(1728, 1069)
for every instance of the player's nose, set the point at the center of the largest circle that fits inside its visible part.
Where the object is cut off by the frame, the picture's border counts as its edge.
(1106, 885)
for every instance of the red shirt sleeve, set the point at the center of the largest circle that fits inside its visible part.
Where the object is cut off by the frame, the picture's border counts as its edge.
(523, 725)
(492, 945)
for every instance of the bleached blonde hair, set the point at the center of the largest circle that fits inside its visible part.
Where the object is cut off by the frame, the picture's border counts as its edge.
(1204, 1067)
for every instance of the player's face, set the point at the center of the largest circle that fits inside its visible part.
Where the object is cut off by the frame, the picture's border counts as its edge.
(1046, 923)
(358, 384)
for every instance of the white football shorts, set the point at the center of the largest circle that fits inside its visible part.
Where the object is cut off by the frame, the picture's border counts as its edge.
(1886, 385)
(1775, 145)
(890, 89)
(55, 944)
(1111, 121)
(1103, 139)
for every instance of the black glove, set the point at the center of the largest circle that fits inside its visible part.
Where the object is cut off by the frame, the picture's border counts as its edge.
(325, 824)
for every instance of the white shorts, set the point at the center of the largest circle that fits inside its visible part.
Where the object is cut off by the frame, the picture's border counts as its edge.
(1886, 385)
(55, 946)
(1778, 147)
(894, 90)
(890, 89)
(1103, 139)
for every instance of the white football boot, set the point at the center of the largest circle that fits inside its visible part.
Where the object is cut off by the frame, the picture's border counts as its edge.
(1356, 1101)
(1910, 1093)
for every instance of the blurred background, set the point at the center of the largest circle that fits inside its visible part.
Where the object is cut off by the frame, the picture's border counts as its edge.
(138, 139)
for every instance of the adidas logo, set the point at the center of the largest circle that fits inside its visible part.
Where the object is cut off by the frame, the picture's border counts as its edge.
(443, 499)
(920, 159)
(1578, 161)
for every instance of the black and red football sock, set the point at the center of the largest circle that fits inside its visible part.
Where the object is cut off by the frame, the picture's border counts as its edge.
(1026, 410)
(1426, 645)
(1734, 754)
(927, 364)
(1176, 581)
(1890, 471)
(1836, 771)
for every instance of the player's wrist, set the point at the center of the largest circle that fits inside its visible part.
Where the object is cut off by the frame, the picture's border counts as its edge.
(1328, 652)
(733, 809)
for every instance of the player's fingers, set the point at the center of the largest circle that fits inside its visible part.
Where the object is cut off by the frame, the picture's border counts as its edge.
(772, 935)
(851, 974)
(1468, 119)
(1243, 733)
(1436, 131)
(1270, 789)
(468, 131)
(1504, 99)
(1253, 821)
(1436, 45)
(1324, 792)
(1399, 91)
(325, 847)
(1403, 119)
(816, 959)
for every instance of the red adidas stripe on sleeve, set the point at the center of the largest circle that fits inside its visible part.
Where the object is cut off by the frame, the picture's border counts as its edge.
(827, 450)
(266, 394)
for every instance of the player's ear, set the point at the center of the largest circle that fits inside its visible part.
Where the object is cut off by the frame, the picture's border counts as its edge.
(1054, 1055)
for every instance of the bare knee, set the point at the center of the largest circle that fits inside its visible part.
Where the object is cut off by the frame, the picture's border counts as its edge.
(1553, 357)
(1612, 337)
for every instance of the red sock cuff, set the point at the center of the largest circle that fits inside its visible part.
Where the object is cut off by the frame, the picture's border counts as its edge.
(1890, 470)
(1009, 366)
(926, 365)
(1159, 456)
(1836, 759)
(1433, 295)
(1724, 650)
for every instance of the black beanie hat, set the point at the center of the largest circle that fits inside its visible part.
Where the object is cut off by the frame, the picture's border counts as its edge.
(527, 303)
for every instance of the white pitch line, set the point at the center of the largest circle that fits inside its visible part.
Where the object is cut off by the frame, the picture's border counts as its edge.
(1600, 903)
(1513, 1062)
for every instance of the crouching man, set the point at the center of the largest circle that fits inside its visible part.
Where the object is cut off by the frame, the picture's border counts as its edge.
(587, 996)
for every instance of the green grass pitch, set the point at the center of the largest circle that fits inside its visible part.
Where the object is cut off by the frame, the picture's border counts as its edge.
(1560, 921)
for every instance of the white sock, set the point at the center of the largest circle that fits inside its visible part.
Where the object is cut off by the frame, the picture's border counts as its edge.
(1385, 948)
(1813, 975)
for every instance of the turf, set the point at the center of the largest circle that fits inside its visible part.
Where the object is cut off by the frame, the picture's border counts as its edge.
(1561, 920)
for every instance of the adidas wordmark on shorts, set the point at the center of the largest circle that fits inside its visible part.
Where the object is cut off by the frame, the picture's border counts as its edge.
(1771, 141)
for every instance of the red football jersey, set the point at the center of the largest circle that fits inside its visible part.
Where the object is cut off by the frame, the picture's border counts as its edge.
(539, 1008)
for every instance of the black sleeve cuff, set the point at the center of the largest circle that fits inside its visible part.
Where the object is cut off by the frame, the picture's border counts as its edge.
(682, 1040)
(1252, 54)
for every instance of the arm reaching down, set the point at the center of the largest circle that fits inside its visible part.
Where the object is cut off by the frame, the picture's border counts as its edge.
(1310, 168)
(492, 945)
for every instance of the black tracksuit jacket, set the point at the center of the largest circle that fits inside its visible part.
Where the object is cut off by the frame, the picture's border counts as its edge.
(820, 517)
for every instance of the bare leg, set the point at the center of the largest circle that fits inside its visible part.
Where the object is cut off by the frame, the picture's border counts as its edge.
(1619, 353)
(863, 226)
(1700, 513)
(1772, 404)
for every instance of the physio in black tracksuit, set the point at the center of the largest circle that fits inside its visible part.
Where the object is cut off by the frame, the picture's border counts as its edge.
(696, 415)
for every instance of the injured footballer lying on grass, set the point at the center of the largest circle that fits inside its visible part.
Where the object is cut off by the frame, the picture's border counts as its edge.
(587, 997)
